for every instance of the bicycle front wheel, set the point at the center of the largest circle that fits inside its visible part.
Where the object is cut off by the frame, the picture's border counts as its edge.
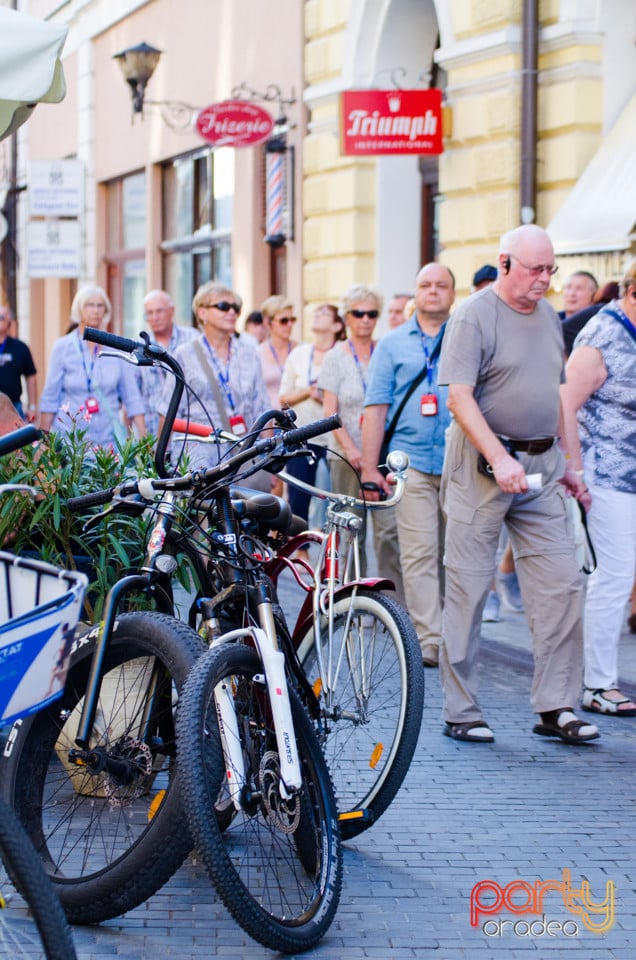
(276, 863)
(371, 699)
(43, 932)
(108, 838)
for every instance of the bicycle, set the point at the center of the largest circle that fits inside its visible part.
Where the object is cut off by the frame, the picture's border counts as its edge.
(121, 760)
(356, 645)
(39, 609)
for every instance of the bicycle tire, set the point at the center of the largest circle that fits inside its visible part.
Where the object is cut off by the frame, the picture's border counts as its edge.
(106, 846)
(45, 933)
(285, 892)
(371, 729)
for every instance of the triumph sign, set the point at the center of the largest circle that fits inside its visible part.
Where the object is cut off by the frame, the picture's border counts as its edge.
(376, 122)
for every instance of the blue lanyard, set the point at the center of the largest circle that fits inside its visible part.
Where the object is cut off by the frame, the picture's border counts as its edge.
(88, 373)
(275, 355)
(224, 378)
(429, 364)
(623, 320)
(358, 364)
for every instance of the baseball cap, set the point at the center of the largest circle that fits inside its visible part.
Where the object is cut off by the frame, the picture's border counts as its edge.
(485, 274)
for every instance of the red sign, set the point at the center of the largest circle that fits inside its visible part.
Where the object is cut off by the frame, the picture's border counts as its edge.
(390, 121)
(234, 123)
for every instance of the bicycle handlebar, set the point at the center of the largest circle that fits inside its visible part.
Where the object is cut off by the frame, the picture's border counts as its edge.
(147, 353)
(21, 437)
(399, 476)
(147, 487)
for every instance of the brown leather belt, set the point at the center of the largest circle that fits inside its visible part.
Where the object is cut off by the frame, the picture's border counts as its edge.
(532, 446)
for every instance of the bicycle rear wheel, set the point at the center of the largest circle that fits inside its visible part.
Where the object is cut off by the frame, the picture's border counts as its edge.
(44, 933)
(277, 864)
(371, 701)
(108, 841)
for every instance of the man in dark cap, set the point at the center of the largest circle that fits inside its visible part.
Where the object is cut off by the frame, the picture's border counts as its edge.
(484, 277)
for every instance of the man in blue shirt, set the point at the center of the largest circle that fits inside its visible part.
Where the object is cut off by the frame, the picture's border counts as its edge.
(397, 360)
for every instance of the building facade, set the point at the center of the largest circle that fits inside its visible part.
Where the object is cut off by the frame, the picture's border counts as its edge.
(539, 102)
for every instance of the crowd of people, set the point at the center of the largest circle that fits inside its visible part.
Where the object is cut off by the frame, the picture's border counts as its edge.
(505, 408)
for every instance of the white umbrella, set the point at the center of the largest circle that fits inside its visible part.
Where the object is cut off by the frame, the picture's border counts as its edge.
(30, 68)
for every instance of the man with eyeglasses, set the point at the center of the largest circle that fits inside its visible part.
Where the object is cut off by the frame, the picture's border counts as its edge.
(159, 315)
(399, 359)
(16, 362)
(506, 462)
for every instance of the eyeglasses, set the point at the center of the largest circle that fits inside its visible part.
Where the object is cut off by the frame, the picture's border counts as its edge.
(285, 320)
(223, 305)
(359, 314)
(551, 268)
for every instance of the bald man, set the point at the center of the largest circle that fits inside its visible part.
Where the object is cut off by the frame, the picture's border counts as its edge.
(502, 360)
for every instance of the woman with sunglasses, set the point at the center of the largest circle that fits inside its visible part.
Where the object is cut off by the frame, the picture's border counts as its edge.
(278, 315)
(343, 378)
(222, 371)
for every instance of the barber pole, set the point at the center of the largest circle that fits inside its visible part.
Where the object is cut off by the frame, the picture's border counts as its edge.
(276, 189)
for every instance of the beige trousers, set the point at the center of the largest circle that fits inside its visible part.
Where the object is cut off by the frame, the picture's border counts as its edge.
(420, 532)
(550, 582)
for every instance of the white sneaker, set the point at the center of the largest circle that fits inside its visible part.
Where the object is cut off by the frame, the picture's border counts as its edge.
(491, 609)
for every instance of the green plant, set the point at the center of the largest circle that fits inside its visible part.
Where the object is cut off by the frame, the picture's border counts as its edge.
(63, 466)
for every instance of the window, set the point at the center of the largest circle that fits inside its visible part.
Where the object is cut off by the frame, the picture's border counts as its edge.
(126, 252)
(198, 192)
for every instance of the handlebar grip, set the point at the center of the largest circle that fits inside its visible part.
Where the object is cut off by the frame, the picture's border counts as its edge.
(196, 429)
(18, 438)
(96, 499)
(112, 340)
(300, 434)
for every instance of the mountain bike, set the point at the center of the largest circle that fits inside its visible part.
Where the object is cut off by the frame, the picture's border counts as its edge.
(355, 645)
(39, 609)
(106, 764)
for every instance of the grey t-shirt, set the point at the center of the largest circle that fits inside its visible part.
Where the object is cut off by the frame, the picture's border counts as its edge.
(514, 361)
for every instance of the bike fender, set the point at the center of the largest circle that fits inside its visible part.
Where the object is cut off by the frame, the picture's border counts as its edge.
(306, 611)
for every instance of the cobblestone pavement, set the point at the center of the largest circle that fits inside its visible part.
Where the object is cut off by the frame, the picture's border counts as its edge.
(524, 809)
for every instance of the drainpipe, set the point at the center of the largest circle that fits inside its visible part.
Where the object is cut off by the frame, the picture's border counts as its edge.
(529, 72)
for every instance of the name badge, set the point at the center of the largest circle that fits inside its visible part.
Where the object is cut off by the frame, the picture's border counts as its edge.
(92, 405)
(428, 405)
(238, 425)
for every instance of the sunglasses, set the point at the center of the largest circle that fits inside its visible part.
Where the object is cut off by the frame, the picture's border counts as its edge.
(286, 320)
(223, 305)
(371, 314)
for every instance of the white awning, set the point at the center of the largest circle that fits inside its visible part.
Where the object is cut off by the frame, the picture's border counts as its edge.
(600, 213)
(30, 68)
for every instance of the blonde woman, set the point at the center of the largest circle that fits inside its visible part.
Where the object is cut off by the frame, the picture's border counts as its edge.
(343, 378)
(278, 315)
(85, 388)
(222, 370)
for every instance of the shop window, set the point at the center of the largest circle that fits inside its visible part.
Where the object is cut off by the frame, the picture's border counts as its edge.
(126, 252)
(198, 193)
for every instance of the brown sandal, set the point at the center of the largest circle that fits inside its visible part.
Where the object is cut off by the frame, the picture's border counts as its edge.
(567, 726)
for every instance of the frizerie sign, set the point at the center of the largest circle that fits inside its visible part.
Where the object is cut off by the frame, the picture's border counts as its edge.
(375, 122)
(234, 123)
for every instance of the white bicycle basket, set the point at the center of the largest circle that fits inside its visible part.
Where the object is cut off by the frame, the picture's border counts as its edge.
(40, 606)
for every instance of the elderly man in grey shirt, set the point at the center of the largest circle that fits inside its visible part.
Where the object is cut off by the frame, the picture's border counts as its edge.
(503, 362)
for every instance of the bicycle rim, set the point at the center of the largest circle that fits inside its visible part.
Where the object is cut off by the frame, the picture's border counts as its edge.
(371, 700)
(32, 924)
(109, 845)
(277, 865)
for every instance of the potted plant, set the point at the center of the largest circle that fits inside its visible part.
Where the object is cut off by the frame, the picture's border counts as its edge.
(68, 465)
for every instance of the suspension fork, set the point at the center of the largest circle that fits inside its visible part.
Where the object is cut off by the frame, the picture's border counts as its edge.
(127, 585)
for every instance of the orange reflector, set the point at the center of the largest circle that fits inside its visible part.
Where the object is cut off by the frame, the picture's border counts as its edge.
(352, 815)
(378, 750)
(317, 687)
(156, 803)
